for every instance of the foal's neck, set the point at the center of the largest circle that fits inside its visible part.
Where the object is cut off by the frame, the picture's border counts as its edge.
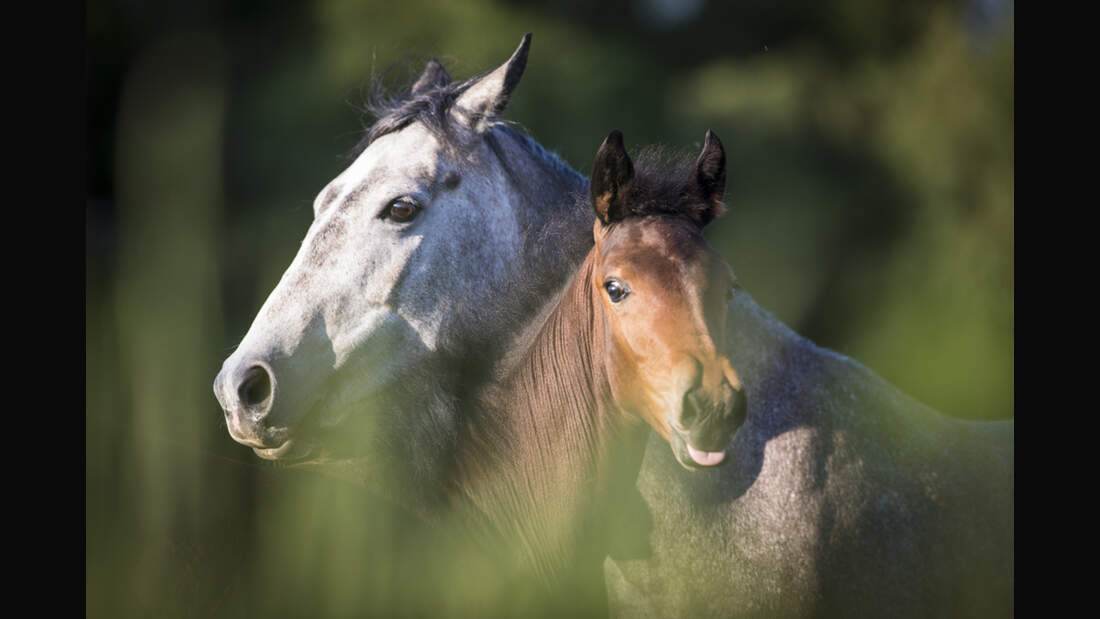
(545, 443)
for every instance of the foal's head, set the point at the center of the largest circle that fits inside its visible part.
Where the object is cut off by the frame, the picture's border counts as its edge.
(664, 292)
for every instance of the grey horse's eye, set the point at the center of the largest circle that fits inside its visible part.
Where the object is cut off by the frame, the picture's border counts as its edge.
(402, 210)
(616, 290)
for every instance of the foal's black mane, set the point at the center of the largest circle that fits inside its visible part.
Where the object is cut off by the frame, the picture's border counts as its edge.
(664, 184)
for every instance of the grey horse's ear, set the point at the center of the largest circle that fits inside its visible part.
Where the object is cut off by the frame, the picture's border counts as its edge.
(487, 98)
(434, 76)
(612, 174)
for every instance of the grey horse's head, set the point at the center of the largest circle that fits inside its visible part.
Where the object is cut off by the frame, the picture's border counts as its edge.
(417, 262)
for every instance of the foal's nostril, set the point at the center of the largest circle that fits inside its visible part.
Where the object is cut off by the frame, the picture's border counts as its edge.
(255, 389)
(690, 408)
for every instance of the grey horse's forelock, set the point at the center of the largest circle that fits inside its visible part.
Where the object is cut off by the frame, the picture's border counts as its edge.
(393, 111)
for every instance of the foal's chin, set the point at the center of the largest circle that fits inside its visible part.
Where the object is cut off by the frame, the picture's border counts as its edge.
(695, 459)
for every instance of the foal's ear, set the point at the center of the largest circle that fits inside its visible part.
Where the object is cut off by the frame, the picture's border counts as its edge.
(611, 177)
(487, 97)
(710, 178)
(434, 76)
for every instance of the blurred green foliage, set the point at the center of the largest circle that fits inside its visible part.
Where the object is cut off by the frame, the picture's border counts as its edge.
(871, 155)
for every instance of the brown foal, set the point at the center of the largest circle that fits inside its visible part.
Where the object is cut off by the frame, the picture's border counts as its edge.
(664, 295)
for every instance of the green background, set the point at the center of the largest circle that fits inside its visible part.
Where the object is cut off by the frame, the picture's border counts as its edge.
(871, 174)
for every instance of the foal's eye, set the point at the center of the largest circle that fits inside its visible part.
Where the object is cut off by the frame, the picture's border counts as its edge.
(402, 210)
(616, 290)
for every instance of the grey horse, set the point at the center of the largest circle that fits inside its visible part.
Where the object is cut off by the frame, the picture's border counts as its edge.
(424, 257)
(436, 246)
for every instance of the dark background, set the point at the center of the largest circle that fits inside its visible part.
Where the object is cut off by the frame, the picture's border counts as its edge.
(871, 186)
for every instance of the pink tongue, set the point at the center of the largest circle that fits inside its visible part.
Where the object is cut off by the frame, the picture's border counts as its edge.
(706, 458)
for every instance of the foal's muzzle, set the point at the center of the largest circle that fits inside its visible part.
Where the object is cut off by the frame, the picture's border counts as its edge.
(707, 423)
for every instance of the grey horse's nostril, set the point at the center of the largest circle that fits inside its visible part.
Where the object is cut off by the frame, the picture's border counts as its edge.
(255, 389)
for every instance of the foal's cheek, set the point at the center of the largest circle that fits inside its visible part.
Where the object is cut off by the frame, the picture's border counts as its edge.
(640, 397)
(625, 384)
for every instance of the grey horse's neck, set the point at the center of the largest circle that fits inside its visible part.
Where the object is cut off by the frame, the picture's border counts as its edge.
(555, 231)
(555, 214)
